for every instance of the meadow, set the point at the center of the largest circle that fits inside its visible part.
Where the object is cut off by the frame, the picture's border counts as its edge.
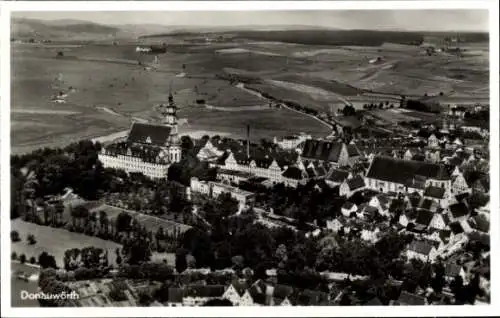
(55, 241)
(151, 223)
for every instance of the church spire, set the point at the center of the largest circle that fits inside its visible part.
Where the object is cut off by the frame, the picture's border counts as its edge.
(170, 96)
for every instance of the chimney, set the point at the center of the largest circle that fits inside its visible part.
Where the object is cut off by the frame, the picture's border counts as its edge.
(248, 141)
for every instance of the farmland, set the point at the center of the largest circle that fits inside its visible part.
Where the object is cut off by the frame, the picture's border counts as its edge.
(110, 87)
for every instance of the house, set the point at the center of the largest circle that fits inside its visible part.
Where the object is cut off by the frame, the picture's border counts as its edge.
(421, 250)
(382, 203)
(209, 152)
(387, 174)
(458, 183)
(336, 177)
(429, 205)
(452, 270)
(336, 154)
(439, 221)
(348, 208)
(175, 297)
(456, 229)
(408, 155)
(410, 299)
(432, 155)
(438, 195)
(334, 225)
(293, 176)
(260, 293)
(351, 186)
(366, 211)
(458, 211)
(423, 220)
(291, 142)
(196, 295)
(281, 295)
(479, 223)
(407, 217)
(481, 185)
(370, 235)
(233, 176)
(309, 297)
(214, 189)
(433, 141)
(238, 293)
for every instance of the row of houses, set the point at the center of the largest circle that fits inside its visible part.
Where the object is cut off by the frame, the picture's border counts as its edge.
(241, 293)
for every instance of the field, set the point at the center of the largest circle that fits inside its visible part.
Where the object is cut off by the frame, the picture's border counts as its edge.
(55, 241)
(151, 223)
(111, 87)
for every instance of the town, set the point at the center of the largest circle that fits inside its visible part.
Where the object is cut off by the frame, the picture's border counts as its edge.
(154, 165)
(354, 218)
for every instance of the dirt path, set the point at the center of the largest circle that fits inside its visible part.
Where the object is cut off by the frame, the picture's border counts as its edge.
(243, 87)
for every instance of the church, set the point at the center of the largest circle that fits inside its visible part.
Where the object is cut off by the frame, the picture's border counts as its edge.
(150, 148)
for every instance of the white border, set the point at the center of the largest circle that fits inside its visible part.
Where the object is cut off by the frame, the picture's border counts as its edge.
(8, 7)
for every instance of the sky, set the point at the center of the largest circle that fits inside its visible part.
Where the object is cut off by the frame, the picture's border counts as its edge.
(411, 20)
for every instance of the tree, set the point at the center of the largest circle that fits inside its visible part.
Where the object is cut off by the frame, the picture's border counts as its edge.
(60, 54)
(180, 259)
(31, 239)
(14, 236)
(13, 256)
(46, 261)
(218, 303)
(32, 260)
(22, 258)
(145, 298)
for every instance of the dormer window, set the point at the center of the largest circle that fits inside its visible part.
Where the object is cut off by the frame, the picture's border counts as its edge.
(148, 140)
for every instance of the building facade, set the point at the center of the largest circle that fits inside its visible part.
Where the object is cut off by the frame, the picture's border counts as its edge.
(150, 149)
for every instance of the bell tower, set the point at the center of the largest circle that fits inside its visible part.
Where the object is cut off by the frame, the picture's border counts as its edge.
(169, 113)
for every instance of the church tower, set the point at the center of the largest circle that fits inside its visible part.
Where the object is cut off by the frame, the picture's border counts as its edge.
(169, 113)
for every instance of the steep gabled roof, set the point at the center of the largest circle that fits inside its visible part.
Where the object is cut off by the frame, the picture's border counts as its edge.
(322, 150)
(337, 175)
(356, 182)
(240, 286)
(480, 223)
(459, 209)
(452, 270)
(420, 247)
(205, 291)
(444, 235)
(424, 217)
(456, 228)
(404, 171)
(282, 291)
(294, 173)
(149, 134)
(406, 298)
(434, 192)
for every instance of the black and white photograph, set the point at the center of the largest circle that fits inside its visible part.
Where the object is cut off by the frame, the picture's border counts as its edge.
(250, 158)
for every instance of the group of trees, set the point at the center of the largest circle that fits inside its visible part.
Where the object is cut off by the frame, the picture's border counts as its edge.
(381, 105)
(421, 106)
(314, 201)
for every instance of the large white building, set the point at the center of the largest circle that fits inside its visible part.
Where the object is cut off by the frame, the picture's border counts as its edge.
(291, 142)
(387, 174)
(150, 149)
(214, 189)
